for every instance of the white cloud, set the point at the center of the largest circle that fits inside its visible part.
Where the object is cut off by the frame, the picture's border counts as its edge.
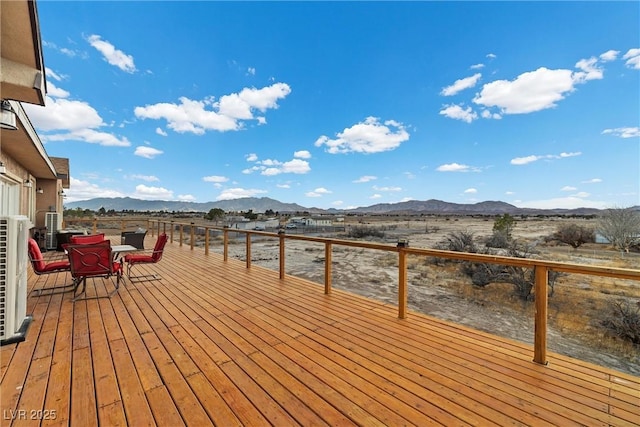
(251, 70)
(161, 132)
(63, 114)
(147, 152)
(152, 193)
(626, 132)
(524, 160)
(533, 158)
(568, 188)
(186, 198)
(365, 178)
(52, 75)
(215, 178)
(531, 91)
(84, 190)
(283, 186)
(477, 66)
(375, 196)
(295, 166)
(460, 85)
(200, 116)
(112, 55)
(148, 178)
(302, 154)
(55, 91)
(251, 157)
(90, 136)
(318, 192)
(491, 56)
(470, 191)
(589, 70)
(459, 113)
(633, 58)
(237, 193)
(609, 55)
(454, 167)
(592, 181)
(391, 189)
(369, 136)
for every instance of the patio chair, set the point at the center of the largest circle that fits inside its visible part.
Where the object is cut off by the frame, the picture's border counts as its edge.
(146, 258)
(93, 260)
(133, 238)
(41, 267)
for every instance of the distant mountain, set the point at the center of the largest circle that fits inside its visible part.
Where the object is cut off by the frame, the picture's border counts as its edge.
(262, 204)
(256, 204)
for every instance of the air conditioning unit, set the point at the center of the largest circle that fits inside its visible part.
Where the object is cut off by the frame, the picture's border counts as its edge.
(14, 234)
(53, 222)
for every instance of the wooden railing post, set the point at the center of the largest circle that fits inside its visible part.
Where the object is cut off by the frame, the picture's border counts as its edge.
(192, 235)
(225, 243)
(248, 249)
(181, 233)
(158, 227)
(402, 279)
(123, 227)
(171, 231)
(540, 334)
(282, 260)
(206, 240)
(327, 268)
(164, 227)
(95, 225)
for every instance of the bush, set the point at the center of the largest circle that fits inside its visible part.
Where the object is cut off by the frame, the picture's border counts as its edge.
(458, 241)
(623, 320)
(573, 235)
(360, 232)
(498, 240)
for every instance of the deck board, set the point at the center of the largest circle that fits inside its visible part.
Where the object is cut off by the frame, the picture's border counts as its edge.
(215, 343)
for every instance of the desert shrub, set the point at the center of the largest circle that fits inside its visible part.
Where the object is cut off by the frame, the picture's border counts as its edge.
(522, 279)
(498, 239)
(623, 320)
(458, 241)
(574, 235)
(360, 232)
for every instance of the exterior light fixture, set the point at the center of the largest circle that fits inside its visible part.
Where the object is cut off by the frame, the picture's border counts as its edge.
(8, 116)
(3, 168)
(28, 183)
(39, 190)
(60, 193)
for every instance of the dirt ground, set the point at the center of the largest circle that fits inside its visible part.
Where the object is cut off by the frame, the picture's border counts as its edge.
(443, 292)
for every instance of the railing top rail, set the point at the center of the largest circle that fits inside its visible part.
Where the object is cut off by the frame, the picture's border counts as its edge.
(621, 273)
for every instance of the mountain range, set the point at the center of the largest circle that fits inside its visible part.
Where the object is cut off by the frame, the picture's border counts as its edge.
(262, 204)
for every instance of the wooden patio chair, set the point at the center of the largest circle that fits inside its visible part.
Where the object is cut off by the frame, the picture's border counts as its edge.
(146, 258)
(41, 267)
(94, 260)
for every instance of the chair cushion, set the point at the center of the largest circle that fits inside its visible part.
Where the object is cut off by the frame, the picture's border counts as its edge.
(117, 267)
(37, 261)
(55, 266)
(87, 239)
(138, 258)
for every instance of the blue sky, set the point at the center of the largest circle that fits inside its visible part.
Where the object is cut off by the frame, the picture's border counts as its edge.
(339, 105)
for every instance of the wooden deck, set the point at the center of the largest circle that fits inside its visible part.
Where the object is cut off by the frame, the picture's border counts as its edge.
(214, 343)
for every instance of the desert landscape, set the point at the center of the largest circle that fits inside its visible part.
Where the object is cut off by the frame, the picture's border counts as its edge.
(441, 290)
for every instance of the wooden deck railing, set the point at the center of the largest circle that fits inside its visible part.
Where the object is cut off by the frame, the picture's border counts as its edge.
(541, 267)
